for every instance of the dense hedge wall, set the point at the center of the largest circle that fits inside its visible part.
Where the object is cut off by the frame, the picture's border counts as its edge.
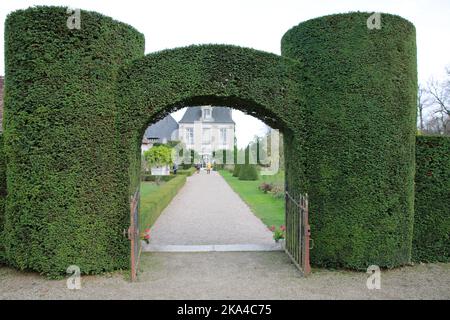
(361, 90)
(431, 241)
(159, 200)
(2, 196)
(78, 101)
(63, 207)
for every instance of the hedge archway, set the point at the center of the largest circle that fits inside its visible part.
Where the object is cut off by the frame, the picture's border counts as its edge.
(77, 102)
(258, 83)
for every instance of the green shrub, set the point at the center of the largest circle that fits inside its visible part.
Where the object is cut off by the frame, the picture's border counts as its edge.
(158, 201)
(431, 236)
(248, 172)
(236, 170)
(186, 166)
(187, 172)
(160, 155)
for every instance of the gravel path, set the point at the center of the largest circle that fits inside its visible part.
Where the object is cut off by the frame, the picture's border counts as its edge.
(206, 211)
(223, 218)
(232, 275)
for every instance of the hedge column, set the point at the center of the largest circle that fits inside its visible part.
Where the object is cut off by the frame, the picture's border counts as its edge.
(361, 103)
(62, 206)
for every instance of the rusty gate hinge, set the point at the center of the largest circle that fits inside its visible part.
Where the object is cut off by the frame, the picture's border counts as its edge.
(128, 233)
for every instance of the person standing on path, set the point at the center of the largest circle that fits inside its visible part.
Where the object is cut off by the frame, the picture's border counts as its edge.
(208, 168)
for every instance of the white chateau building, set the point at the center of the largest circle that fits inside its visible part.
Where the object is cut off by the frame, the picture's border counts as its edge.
(203, 129)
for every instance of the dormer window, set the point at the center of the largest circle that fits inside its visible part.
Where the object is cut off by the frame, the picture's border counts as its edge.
(207, 113)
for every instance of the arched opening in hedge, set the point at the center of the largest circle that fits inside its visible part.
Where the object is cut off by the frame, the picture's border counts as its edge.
(263, 156)
(260, 84)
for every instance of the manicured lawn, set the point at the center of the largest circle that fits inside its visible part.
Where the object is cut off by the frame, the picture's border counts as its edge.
(266, 207)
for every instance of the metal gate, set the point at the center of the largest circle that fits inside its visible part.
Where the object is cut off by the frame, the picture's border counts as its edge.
(134, 234)
(297, 231)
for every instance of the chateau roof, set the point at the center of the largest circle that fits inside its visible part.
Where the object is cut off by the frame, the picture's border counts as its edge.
(219, 115)
(163, 129)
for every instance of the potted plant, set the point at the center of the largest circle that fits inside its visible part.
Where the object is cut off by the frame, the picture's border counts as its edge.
(159, 158)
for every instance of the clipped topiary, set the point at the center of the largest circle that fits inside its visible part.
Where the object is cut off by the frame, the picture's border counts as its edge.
(248, 172)
(65, 182)
(360, 127)
(341, 91)
(237, 168)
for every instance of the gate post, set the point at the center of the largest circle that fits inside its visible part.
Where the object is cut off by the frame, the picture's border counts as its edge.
(306, 237)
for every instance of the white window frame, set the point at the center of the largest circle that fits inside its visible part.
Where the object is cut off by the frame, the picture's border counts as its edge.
(189, 136)
(223, 136)
(207, 113)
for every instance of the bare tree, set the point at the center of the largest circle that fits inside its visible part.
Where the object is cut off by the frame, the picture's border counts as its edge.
(438, 95)
(423, 101)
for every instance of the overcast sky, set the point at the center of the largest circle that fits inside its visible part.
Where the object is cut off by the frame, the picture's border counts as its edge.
(258, 24)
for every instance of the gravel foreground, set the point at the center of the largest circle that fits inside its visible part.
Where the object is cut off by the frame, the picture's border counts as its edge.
(232, 275)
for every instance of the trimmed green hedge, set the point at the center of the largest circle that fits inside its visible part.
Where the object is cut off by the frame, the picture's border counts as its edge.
(150, 177)
(73, 141)
(188, 172)
(64, 203)
(186, 166)
(248, 172)
(361, 90)
(431, 241)
(343, 96)
(159, 200)
(2, 197)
